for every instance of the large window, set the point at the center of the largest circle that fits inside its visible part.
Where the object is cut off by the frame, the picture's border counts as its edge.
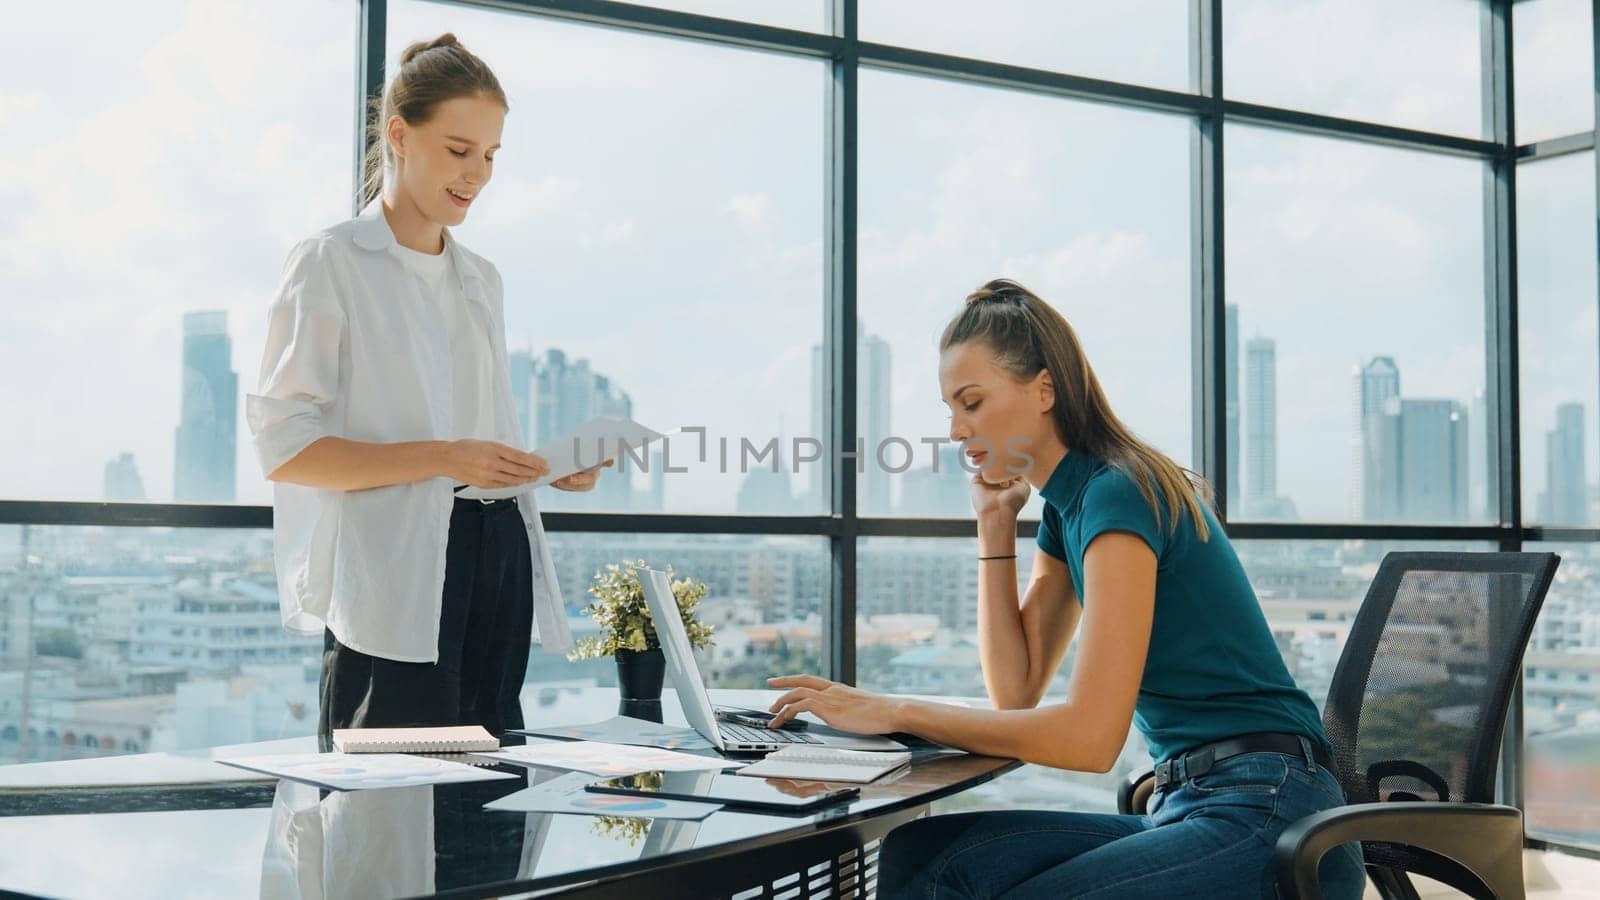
(158, 167)
(1135, 41)
(1560, 349)
(129, 640)
(643, 210)
(1375, 412)
(1554, 58)
(964, 184)
(1416, 64)
(1561, 702)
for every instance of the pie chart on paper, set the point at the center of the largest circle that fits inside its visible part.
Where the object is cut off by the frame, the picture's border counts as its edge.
(615, 803)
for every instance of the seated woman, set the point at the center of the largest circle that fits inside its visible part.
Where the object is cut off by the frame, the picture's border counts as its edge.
(1172, 640)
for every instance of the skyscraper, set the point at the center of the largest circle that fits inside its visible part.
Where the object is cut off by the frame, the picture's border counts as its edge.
(872, 409)
(204, 445)
(566, 393)
(1375, 455)
(1478, 456)
(873, 396)
(1231, 410)
(1566, 478)
(765, 490)
(1433, 461)
(520, 363)
(1261, 420)
(122, 481)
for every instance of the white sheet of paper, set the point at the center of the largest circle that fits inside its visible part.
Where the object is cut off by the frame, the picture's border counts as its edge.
(627, 730)
(566, 795)
(590, 444)
(359, 771)
(609, 759)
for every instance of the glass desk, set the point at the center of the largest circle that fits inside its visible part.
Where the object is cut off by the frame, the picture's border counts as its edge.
(180, 824)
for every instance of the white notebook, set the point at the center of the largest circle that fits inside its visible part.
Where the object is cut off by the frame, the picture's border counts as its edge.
(827, 764)
(449, 739)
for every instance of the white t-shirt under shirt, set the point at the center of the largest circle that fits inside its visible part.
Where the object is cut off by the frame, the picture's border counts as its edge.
(471, 359)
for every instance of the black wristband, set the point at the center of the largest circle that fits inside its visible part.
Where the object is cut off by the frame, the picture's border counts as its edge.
(1012, 556)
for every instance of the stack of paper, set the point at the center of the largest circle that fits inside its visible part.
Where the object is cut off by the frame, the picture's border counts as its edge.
(449, 739)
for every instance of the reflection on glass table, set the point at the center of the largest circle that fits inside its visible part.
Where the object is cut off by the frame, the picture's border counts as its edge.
(180, 824)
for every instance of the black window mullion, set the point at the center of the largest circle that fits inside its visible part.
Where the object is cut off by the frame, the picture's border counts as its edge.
(839, 335)
(1502, 394)
(371, 35)
(1208, 299)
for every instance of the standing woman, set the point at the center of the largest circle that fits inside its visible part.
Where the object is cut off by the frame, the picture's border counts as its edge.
(1171, 639)
(403, 521)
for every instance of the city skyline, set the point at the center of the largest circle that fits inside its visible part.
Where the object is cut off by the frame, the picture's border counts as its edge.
(1565, 499)
(205, 443)
(1414, 451)
(559, 394)
(1412, 459)
(122, 482)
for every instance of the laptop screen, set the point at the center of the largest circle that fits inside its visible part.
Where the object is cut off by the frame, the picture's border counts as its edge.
(675, 647)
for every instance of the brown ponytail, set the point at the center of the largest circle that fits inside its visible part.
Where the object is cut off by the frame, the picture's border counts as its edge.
(1027, 335)
(430, 73)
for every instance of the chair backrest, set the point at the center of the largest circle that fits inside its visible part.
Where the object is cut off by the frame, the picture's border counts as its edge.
(1418, 701)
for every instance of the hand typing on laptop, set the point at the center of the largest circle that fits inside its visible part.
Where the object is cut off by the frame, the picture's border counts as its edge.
(840, 705)
(696, 702)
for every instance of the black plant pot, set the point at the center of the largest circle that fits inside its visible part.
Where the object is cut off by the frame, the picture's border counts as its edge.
(639, 677)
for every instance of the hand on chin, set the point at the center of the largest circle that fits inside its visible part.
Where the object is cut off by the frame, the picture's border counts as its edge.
(997, 474)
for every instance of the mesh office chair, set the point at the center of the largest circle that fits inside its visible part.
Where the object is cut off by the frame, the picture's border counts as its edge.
(1416, 712)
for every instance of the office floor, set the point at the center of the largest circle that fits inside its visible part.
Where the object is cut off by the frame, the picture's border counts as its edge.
(1547, 876)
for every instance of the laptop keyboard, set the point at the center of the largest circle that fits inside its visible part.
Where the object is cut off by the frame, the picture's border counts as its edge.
(747, 734)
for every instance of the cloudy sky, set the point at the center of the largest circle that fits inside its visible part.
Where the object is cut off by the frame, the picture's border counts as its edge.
(656, 198)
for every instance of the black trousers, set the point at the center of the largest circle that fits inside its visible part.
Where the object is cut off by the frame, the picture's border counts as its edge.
(485, 627)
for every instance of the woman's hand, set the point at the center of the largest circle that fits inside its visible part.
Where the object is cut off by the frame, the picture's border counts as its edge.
(487, 464)
(1004, 499)
(581, 481)
(841, 706)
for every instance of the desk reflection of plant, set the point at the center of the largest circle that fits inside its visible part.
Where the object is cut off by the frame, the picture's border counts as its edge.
(629, 828)
(623, 828)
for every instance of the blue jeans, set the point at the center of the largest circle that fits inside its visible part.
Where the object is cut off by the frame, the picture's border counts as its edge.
(1210, 837)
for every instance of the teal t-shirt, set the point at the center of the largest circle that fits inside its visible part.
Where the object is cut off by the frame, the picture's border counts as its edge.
(1213, 670)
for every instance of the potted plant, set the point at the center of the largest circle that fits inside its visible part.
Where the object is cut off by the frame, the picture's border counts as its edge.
(628, 634)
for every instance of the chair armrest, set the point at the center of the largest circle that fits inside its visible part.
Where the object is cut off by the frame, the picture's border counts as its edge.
(1483, 838)
(1133, 798)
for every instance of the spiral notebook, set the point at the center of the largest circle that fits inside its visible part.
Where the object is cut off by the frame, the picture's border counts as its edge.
(450, 739)
(808, 763)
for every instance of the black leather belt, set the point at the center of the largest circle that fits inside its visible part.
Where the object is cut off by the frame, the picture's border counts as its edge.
(1173, 772)
(489, 504)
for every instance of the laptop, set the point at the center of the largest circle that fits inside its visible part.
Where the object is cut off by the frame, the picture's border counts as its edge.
(685, 671)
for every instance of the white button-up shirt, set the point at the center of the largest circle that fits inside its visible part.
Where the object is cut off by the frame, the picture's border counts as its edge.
(356, 350)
